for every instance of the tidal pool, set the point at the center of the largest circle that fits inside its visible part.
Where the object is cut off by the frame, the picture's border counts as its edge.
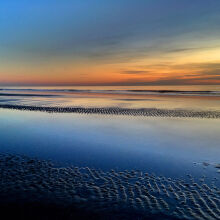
(165, 146)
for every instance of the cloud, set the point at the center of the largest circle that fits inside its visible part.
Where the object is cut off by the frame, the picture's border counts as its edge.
(173, 74)
(174, 81)
(94, 33)
(135, 72)
(177, 49)
(71, 29)
(203, 65)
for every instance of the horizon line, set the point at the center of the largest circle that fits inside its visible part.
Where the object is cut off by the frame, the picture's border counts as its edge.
(41, 85)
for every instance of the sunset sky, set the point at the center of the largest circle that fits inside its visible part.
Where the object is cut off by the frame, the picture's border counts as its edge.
(109, 42)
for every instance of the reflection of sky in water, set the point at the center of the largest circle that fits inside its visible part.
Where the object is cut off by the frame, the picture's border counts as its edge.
(118, 100)
(80, 97)
(159, 145)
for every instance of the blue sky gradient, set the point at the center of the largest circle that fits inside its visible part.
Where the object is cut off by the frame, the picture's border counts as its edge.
(120, 33)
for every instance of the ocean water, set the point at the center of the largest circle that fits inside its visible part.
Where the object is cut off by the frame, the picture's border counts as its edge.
(177, 149)
(165, 97)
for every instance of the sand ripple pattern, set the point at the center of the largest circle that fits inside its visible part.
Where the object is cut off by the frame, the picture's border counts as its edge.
(128, 191)
(150, 112)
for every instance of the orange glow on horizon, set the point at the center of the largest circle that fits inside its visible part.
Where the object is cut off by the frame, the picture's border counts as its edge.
(194, 68)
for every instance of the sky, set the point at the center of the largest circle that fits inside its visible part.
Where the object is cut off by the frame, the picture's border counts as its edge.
(102, 42)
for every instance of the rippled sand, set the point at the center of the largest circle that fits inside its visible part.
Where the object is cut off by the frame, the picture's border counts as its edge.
(84, 192)
(150, 112)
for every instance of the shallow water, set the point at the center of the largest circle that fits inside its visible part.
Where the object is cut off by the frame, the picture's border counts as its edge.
(170, 147)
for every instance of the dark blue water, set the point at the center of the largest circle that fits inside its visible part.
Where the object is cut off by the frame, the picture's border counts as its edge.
(170, 147)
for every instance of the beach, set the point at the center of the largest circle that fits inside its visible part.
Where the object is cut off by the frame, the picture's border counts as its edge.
(81, 192)
(66, 161)
(110, 110)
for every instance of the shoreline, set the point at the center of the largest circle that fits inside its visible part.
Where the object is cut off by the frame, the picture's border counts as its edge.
(148, 112)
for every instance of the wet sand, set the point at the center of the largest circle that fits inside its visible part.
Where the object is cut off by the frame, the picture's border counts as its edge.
(149, 112)
(31, 187)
